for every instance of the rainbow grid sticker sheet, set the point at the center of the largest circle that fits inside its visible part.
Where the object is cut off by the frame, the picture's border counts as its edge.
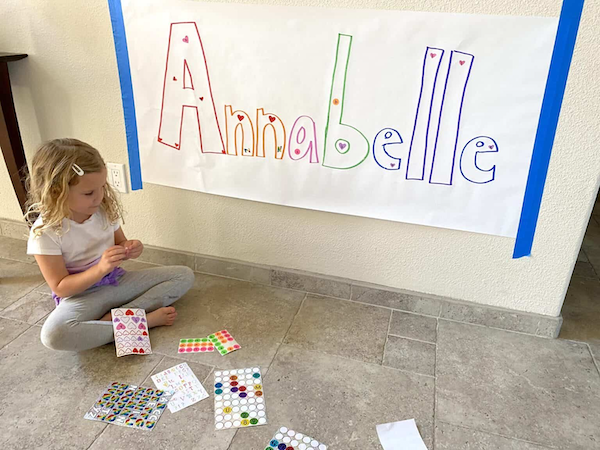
(286, 439)
(239, 400)
(224, 342)
(129, 406)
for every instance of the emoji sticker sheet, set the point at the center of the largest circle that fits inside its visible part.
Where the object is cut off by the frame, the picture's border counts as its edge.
(131, 331)
(129, 406)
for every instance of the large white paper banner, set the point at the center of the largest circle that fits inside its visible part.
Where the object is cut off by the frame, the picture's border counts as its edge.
(425, 118)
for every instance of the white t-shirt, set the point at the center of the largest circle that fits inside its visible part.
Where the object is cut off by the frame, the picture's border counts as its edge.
(81, 244)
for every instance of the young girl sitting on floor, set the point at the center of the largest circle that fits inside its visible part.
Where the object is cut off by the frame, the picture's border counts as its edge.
(78, 243)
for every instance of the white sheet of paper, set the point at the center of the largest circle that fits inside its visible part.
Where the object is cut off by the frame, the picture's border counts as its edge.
(181, 379)
(403, 435)
(218, 87)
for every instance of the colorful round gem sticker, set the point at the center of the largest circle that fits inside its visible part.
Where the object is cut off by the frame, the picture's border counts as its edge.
(237, 406)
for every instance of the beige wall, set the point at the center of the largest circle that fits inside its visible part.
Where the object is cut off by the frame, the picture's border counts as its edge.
(69, 86)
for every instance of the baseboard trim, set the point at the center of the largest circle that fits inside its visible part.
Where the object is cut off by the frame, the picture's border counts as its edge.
(323, 285)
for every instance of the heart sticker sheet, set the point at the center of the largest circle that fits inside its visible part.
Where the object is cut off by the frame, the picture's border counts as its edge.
(131, 331)
(129, 406)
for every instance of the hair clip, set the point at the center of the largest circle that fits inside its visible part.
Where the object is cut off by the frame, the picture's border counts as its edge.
(78, 170)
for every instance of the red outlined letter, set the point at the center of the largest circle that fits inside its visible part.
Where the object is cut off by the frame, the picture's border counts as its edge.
(187, 85)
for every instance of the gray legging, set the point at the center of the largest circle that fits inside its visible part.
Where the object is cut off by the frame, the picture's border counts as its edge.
(74, 325)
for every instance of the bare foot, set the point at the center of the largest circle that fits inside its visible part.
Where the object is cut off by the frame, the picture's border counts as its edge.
(107, 317)
(162, 316)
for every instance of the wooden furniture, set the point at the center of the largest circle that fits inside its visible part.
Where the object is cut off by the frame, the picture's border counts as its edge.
(10, 136)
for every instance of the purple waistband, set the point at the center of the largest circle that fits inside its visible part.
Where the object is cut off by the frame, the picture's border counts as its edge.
(111, 279)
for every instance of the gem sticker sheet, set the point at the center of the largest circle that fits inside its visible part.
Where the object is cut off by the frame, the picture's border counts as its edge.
(131, 331)
(129, 406)
(286, 439)
(198, 345)
(239, 400)
(224, 342)
(180, 379)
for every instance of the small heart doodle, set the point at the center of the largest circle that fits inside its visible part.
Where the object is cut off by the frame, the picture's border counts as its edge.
(271, 119)
(433, 55)
(342, 145)
(240, 117)
(462, 62)
(491, 146)
(186, 39)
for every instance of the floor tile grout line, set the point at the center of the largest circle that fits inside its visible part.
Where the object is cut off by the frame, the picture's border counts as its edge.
(593, 357)
(512, 438)
(29, 327)
(435, 384)
(412, 339)
(357, 360)
(387, 337)
(29, 263)
(98, 436)
(286, 333)
(291, 323)
(13, 319)
(233, 438)
(276, 353)
(152, 370)
(19, 299)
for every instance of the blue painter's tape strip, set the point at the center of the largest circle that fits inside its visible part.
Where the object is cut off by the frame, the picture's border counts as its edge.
(562, 55)
(118, 26)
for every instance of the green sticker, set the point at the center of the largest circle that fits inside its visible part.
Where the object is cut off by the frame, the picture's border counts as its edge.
(253, 421)
(223, 352)
(204, 339)
(212, 336)
(245, 415)
(196, 340)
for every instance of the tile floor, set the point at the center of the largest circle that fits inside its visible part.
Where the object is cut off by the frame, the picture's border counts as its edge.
(334, 369)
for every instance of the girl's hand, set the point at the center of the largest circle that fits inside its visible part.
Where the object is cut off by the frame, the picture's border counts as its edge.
(111, 258)
(134, 249)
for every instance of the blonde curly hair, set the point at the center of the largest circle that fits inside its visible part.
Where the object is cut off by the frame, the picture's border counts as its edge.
(51, 175)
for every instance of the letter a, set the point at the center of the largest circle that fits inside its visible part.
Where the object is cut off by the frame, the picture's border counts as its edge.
(187, 87)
